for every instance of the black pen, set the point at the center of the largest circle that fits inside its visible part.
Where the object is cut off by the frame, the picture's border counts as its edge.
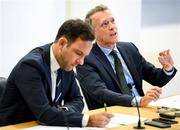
(105, 107)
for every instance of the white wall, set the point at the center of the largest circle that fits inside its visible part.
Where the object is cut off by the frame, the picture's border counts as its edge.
(0, 36)
(160, 31)
(25, 25)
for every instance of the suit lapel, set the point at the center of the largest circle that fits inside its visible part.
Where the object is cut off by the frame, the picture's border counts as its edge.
(47, 66)
(130, 64)
(103, 59)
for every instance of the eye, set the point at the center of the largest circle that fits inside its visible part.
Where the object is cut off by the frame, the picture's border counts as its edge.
(105, 24)
(78, 53)
(113, 20)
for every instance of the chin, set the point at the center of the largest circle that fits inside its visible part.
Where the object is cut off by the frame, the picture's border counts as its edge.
(114, 41)
(68, 69)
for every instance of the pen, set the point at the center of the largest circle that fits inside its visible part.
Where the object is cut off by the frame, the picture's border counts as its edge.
(105, 107)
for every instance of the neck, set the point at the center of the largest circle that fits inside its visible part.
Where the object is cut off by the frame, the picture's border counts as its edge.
(111, 46)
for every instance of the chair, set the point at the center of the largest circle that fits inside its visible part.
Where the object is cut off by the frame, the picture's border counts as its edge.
(2, 85)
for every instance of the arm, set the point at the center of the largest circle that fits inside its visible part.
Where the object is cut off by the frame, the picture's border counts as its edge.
(151, 95)
(73, 99)
(156, 76)
(33, 85)
(146, 70)
(96, 82)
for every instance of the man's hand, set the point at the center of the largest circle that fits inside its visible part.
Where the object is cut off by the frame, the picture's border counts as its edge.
(99, 120)
(166, 60)
(151, 95)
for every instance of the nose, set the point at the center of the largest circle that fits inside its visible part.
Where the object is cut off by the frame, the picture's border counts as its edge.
(111, 26)
(81, 61)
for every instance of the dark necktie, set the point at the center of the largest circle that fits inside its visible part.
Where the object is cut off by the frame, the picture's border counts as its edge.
(120, 75)
(58, 85)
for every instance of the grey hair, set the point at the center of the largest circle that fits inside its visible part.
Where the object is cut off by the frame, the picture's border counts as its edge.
(98, 8)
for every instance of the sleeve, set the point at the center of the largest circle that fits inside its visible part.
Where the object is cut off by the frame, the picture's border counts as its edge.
(147, 71)
(93, 85)
(32, 84)
(73, 98)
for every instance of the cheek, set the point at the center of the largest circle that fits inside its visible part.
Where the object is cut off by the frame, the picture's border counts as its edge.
(75, 58)
(99, 36)
(65, 57)
(105, 38)
(70, 58)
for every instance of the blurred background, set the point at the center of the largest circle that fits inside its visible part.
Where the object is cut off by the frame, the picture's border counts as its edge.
(152, 25)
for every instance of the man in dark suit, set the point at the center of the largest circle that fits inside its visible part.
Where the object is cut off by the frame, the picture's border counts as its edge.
(42, 85)
(101, 78)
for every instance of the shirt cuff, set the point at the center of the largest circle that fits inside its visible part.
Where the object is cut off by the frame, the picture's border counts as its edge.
(169, 73)
(133, 102)
(85, 120)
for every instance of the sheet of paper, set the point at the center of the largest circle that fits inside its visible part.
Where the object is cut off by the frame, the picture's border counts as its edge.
(122, 119)
(41, 127)
(171, 102)
(117, 120)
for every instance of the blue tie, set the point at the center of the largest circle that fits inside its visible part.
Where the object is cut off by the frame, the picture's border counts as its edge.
(58, 85)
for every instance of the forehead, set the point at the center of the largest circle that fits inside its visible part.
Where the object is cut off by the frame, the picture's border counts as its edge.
(80, 44)
(101, 16)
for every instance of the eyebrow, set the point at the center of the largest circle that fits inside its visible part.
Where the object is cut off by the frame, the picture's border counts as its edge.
(79, 51)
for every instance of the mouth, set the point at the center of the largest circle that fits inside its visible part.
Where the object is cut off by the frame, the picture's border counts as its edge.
(113, 34)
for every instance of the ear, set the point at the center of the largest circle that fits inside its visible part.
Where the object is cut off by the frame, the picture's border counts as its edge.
(62, 41)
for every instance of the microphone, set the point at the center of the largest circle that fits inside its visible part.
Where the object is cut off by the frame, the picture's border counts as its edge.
(137, 106)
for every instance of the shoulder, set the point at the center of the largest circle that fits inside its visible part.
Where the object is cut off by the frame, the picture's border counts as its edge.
(128, 46)
(38, 54)
(36, 58)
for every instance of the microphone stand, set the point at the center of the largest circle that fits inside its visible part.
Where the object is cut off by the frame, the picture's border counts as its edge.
(139, 116)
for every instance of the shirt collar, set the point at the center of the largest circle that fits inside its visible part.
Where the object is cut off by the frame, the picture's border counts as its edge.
(107, 51)
(54, 64)
(115, 49)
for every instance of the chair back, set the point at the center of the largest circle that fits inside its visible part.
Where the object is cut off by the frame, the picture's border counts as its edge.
(2, 85)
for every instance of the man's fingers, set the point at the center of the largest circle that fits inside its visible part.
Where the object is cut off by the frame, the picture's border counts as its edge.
(153, 96)
(107, 114)
(154, 93)
(100, 120)
(155, 90)
(164, 53)
(168, 51)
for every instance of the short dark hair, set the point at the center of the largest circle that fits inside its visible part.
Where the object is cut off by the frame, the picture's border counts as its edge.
(98, 8)
(73, 29)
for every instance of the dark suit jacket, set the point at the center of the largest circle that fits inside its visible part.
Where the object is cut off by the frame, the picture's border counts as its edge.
(99, 82)
(27, 95)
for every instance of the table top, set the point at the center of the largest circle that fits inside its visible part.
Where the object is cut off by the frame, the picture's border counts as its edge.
(147, 112)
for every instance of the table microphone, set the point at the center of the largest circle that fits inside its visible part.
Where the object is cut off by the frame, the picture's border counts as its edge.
(137, 106)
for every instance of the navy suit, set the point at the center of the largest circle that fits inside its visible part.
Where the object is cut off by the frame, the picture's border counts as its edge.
(27, 95)
(100, 84)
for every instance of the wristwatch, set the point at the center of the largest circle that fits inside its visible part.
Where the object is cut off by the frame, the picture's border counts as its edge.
(64, 108)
